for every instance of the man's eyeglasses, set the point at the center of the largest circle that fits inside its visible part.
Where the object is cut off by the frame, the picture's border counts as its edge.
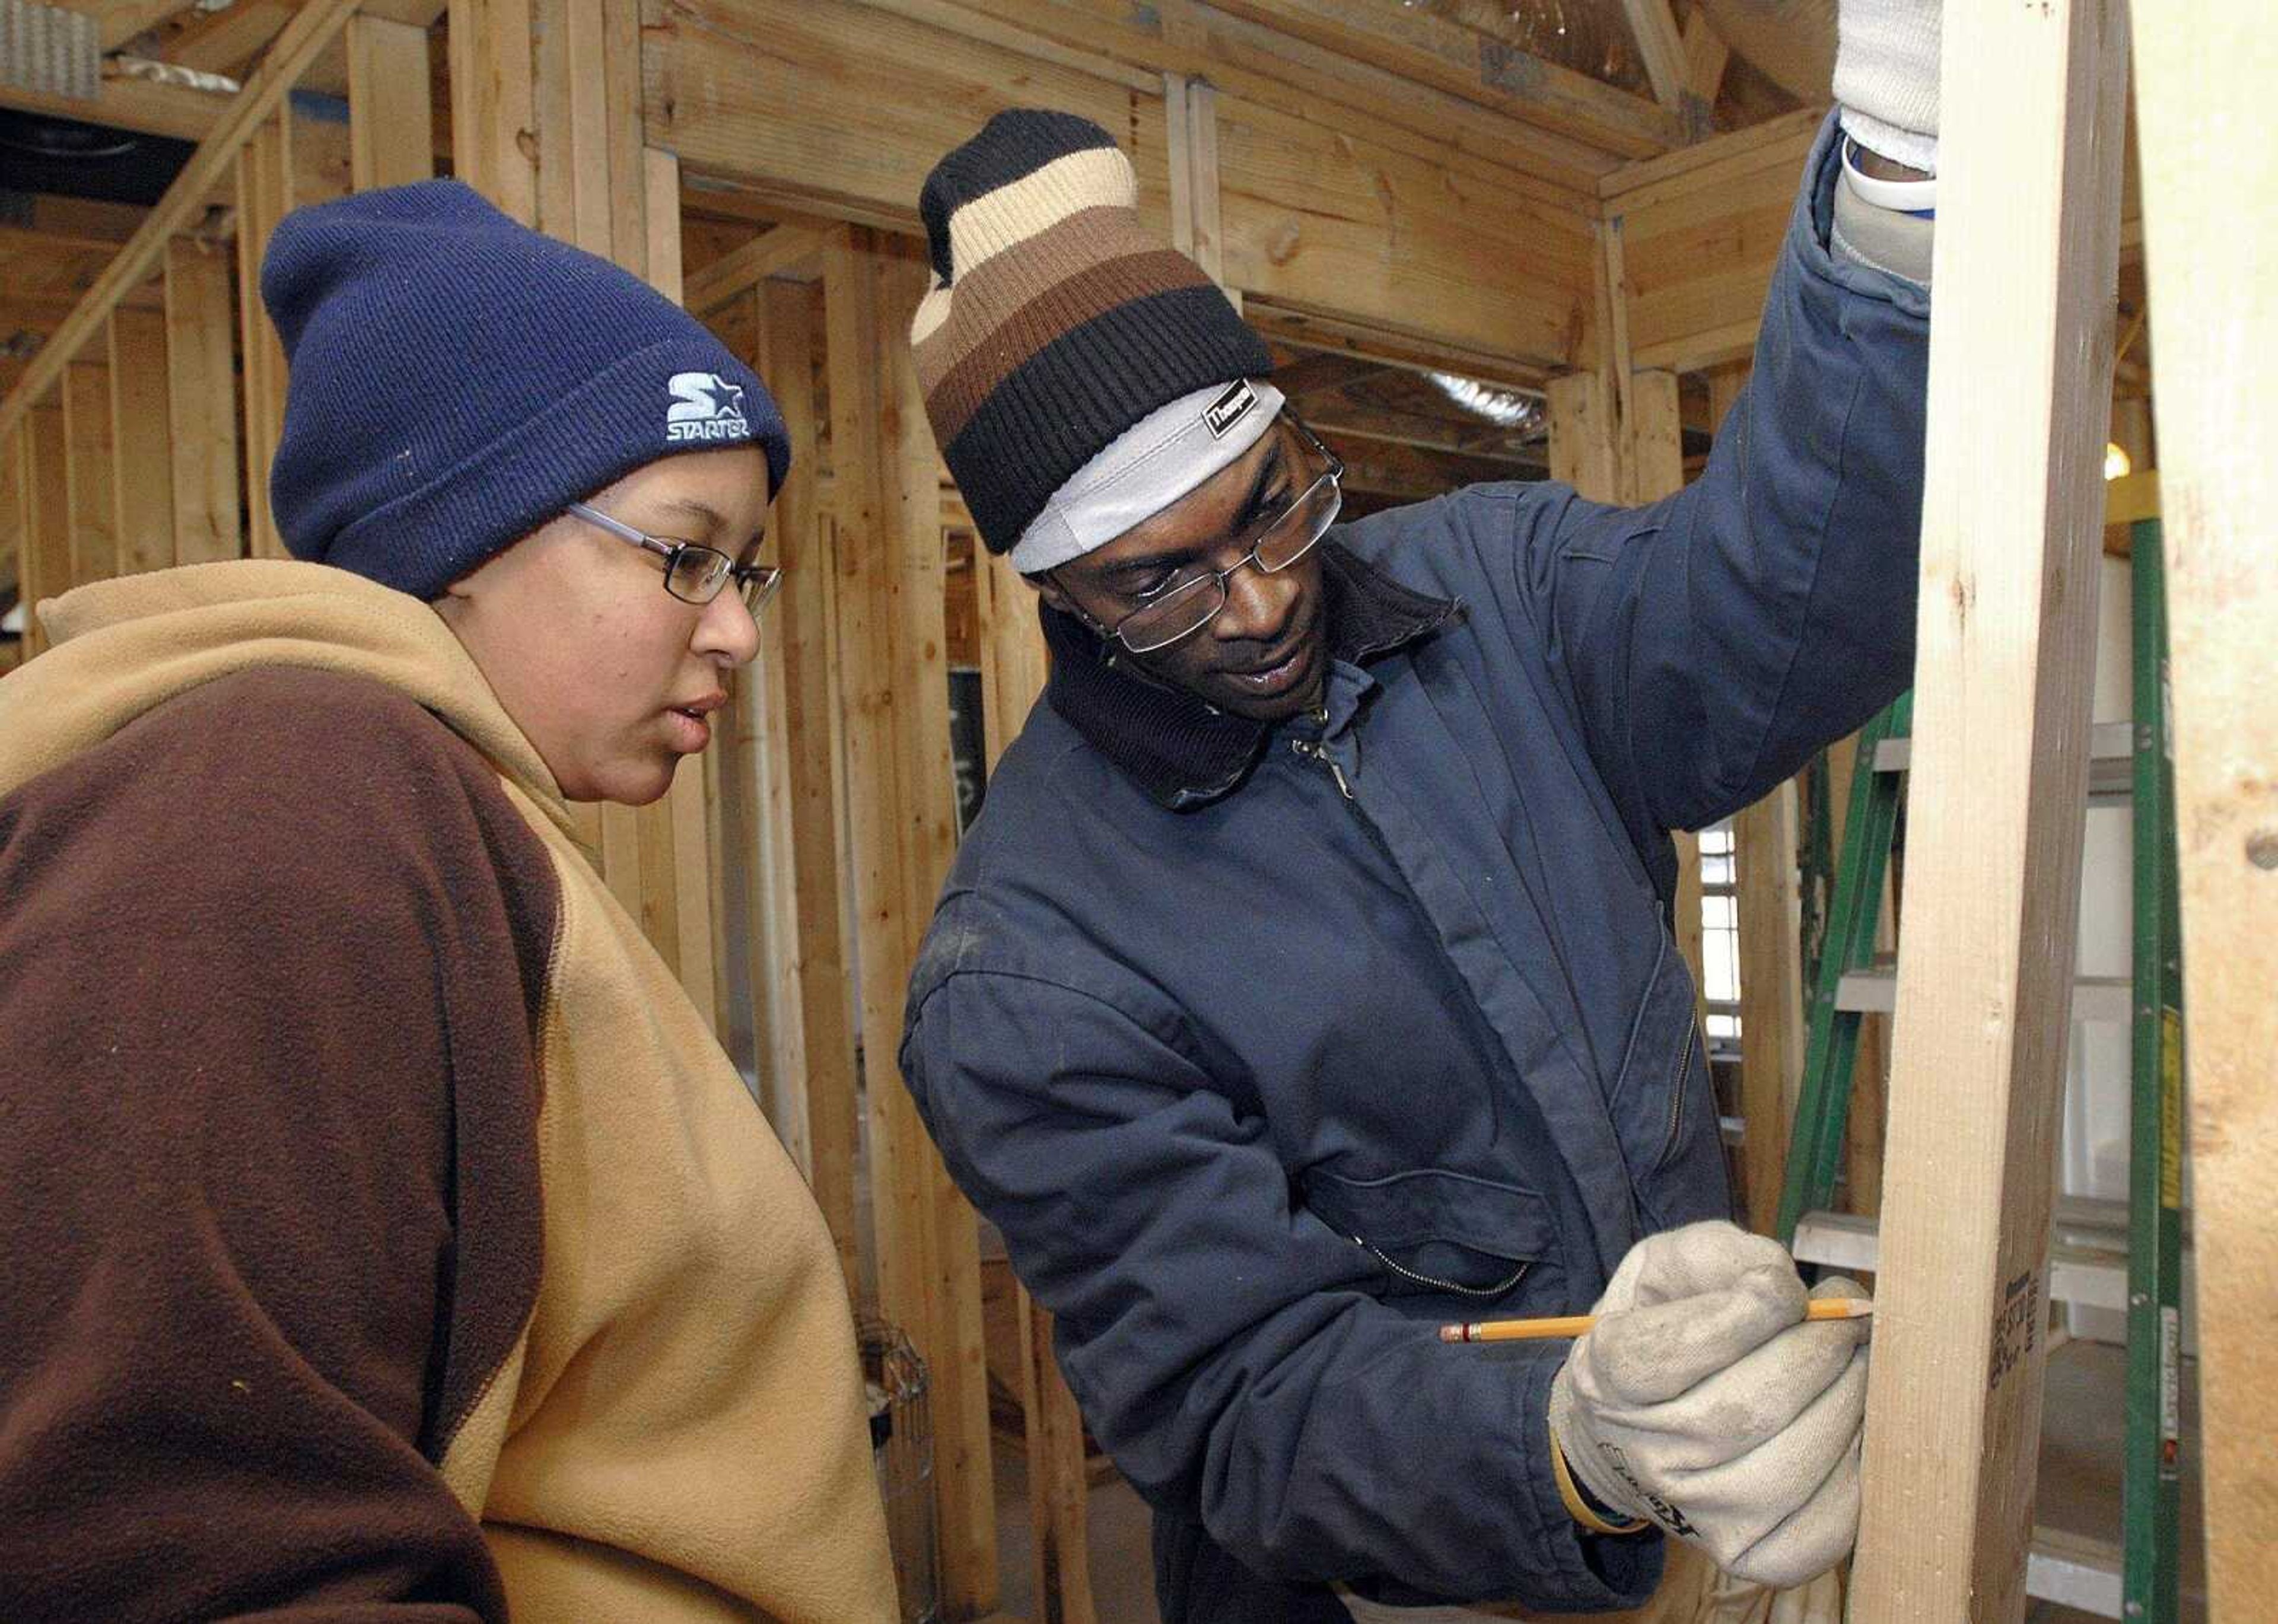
(694, 573)
(1186, 604)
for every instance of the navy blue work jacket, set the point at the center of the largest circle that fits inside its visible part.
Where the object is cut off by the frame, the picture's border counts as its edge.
(1267, 1052)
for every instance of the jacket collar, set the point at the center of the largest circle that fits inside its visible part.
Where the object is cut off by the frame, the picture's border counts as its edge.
(1181, 750)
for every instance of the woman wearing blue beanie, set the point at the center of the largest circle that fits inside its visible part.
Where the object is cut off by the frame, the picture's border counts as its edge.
(391, 1232)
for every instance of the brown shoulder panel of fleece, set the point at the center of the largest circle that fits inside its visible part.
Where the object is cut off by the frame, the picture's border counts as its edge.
(271, 962)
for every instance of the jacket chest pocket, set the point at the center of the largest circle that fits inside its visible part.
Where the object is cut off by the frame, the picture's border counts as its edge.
(1664, 1108)
(1436, 1233)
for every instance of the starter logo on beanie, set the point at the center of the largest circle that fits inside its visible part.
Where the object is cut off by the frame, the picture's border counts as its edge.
(705, 407)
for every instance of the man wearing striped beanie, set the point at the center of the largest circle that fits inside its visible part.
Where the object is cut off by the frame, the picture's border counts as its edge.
(1307, 980)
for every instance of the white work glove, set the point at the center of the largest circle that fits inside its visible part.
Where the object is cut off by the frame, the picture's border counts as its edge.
(1886, 77)
(1703, 1402)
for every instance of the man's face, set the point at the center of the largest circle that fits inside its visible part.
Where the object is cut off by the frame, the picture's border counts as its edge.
(1264, 655)
(608, 675)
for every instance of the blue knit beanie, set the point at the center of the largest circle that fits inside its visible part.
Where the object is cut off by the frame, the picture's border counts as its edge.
(458, 379)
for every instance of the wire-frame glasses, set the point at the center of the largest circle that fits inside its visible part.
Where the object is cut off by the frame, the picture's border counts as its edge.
(694, 573)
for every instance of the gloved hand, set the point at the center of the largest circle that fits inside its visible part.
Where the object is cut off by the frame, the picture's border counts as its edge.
(1704, 1402)
(1886, 77)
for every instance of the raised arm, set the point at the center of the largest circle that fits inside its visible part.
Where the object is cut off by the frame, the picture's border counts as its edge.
(1714, 639)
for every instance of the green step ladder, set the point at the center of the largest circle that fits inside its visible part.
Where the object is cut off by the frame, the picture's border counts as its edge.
(1845, 984)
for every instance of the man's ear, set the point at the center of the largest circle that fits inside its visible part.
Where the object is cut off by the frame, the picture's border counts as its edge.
(1050, 592)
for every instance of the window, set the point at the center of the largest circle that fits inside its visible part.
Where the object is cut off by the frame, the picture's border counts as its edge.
(1720, 936)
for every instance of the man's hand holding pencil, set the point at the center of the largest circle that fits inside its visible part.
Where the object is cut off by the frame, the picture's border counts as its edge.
(1707, 1401)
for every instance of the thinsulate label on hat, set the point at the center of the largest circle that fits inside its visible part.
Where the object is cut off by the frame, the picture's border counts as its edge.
(1221, 414)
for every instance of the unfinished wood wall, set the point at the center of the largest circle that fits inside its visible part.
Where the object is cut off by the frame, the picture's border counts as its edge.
(1354, 187)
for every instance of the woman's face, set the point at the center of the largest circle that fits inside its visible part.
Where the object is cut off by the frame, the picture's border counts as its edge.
(610, 677)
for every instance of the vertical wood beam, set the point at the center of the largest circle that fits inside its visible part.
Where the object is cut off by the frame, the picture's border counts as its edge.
(1771, 995)
(1190, 119)
(43, 487)
(141, 433)
(1582, 449)
(202, 404)
(265, 196)
(1652, 467)
(1764, 850)
(1014, 666)
(2020, 381)
(902, 809)
(1058, 1492)
(390, 110)
(494, 119)
(805, 814)
(87, 459)
(2205, 121)
(687, 853)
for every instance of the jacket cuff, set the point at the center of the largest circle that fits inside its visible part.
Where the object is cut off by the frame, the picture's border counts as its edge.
(1585, 1573)
(1811, 234)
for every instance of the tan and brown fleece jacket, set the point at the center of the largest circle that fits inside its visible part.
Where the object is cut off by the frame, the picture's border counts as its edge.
(387, 1239)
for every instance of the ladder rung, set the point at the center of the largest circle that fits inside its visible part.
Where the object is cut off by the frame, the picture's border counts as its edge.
(2074, 1571)
(2094, 997)
(2088, 1276)
(2108, 741)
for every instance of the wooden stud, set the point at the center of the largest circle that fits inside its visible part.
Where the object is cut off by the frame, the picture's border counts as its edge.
(804, 811)
(202, 404)
(265, 196)
(2019, 377)
(901, 806)
(692, 873)
(1582, 428)
(1014, 664)
(1179, 132)
(310, 30)
(1058, 1492)
(1764, 845)
(1771, 995)
(141, 433)
(2205, 113)
(391, 112)
(494, 119)
(44, 488)
(1660, 48)
(1706, 55)
(88, 459)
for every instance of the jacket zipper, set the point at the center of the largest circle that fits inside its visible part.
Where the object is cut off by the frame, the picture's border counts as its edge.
(1438, 1285)
(1314, 751)
(1677, 1094)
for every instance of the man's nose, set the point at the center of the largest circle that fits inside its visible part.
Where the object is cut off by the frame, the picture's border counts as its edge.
(1257, 605)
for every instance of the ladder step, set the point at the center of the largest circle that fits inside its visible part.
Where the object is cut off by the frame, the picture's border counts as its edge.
(2088, 1276)
(2095, 997)
(2074, 1571)
(2107, 741)
(2111, 762)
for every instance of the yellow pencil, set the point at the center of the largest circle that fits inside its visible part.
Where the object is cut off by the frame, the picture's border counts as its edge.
(1575, 1324)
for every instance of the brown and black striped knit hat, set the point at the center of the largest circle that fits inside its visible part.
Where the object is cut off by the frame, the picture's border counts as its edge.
(1055, 322)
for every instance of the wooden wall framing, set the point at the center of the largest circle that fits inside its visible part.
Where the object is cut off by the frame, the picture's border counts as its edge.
(2206, 71)
(2012, 538)
(1528, 230)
